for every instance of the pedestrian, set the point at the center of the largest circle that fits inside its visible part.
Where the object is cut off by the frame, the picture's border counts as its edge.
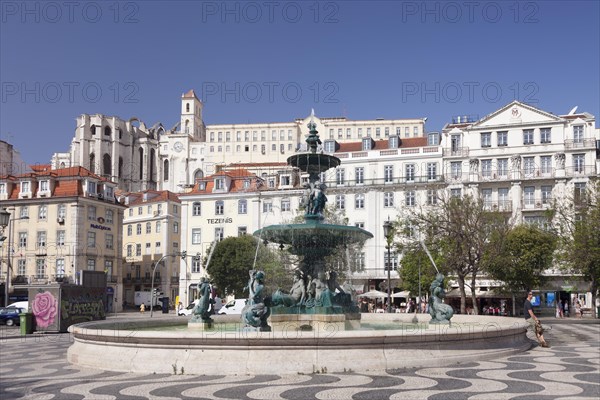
(578, 311)
(533, 321)
(142, 308)
(179, 307)
(566, 308)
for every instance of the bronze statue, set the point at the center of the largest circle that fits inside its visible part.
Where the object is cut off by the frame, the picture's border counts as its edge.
(440, 312)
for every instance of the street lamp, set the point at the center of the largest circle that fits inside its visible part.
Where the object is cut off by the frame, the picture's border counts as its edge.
(388, 232)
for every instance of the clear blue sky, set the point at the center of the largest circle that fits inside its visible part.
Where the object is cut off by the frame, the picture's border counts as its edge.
(274, 61)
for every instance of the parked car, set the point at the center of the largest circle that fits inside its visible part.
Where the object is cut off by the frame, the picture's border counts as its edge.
(188, 310)
(20, 304)
(10, 315)
(234, 306)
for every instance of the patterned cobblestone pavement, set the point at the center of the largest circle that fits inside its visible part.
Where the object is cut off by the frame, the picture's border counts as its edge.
(35, 367)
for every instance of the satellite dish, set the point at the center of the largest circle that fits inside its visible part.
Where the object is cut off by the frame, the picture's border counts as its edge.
(572, 112)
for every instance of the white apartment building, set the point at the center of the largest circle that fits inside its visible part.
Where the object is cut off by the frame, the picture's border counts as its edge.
(151, 233)
(62, 222)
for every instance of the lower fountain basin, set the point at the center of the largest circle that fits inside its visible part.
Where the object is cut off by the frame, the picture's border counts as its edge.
(147, 347)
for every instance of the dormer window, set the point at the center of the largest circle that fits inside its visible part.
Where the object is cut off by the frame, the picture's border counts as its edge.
(220, 184)
(91, 187)
(393, 142)
(329, 146)
(26, 187)
(108, 191)
(246, 183)
(433, 139)
(44, 186)
(285, 180)
(367, 143)
(2, 188)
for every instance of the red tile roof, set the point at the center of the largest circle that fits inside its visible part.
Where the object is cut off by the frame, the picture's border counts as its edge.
(137, 198)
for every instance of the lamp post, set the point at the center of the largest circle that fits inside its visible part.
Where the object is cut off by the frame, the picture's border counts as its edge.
(388, 232)
(4, 221)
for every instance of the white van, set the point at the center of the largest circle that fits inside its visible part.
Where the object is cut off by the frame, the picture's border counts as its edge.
(20, 304)
(188, 310)
(234, 306)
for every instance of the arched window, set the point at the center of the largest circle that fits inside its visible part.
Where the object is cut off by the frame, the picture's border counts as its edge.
(107, 131)
(93, 129)
(141, 162)
(93, 162)
(62, 165)
(187, 107)
(187, 126)
(106, 165)
(166, 170)
(199, 174)
(120, 167)
(196, 208)
(152, 169)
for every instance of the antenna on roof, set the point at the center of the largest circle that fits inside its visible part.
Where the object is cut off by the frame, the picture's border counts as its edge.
(572, 112)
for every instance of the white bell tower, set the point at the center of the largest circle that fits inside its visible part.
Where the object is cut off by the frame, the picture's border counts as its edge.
(191, 116)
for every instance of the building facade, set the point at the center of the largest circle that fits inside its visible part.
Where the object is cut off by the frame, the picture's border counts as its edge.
(62, 222)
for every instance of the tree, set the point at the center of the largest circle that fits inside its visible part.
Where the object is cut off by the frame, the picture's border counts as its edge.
(577, 221)
(460, 229)
(519, 259)
(233, 258)
(414, 260)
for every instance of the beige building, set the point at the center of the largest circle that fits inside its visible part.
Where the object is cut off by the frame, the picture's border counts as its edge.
(63, 221)
(151, 233)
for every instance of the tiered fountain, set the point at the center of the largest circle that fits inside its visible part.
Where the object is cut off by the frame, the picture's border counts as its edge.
(315, 327)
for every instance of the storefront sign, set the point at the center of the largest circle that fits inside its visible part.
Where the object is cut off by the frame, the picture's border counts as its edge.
(101, 227)
(219, 220)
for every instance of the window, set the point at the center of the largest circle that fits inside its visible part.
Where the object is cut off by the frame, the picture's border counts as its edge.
(157, 228)
(285, 205)
(431, 171)
(388, 199)
(579, 192)
(91, 264)
(138, 229)
(22, 267)
(503, 167)
(91, 187)
(149, 210)
(219, 207)
(242, 230)
(196, 208)
(409, 172)
(546, 194)
(348, 133)
(219, 234)
(339, 133)
(140, 210)
(393, 142)
(25, 187)
(388, 173)
(359, 173)
(433, 139)
(109, 241)
(138, 249)
(43, 212)
(456, 169)
(242, 206)
(377, 132)
(503, 201)
(159, 209)
(129, 230)
(175, 209)
(486, 139)
(263, 149)
(40, 268)
(545, 135)
(148, 227)
(390, 264)
(339, 176)
(41, 239)
(406, 131)
(578, 134)
(60, 238)
(196, 265)
(415, 131)
(360, 132)
(340, 202)
(91, 239)
(359, 201)
(409, 197)
(529, 195)
(528, 136)
(546, 164)
(358, 262)
(366, 144)
(431, 197)
(360, 225)
(285, 180)
(578, 162)
(129, 250)
(24, 211)
(330, 133)
(60, 267)
(486, 168)
(486, 195)
(109, 216)
(131, 212)
(529, 166)
(267, 206)
(175, 227)
(22, 239)
(329, 146)
(148, 248)
(44, 186)
(2, 188)
(456, 192)
(108, 267)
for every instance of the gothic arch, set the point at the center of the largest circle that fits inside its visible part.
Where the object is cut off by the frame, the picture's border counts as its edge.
(107, 165)
(120, 167)
(199, 174)
(92, 166)
(141, 162)
(152, 166)
(166, 170)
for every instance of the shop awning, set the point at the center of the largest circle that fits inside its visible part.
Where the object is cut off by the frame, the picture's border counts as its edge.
(486, 294)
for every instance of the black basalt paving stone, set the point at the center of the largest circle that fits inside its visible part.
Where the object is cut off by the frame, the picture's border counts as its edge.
(464, 373)
(55, 389)
(114, 389)
(237, 392)
(304, 393)
(453, 396)
(520, 387)
(578, 360)
(531, 376)
(177, 390)
(375, 394)
(450, 384)
(592, 378)
(383, 381)
(589, 390)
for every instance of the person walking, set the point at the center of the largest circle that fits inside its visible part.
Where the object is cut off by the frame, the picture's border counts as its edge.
(142, 308)
(533, 321)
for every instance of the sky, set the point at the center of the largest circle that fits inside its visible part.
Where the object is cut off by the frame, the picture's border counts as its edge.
(272, 61)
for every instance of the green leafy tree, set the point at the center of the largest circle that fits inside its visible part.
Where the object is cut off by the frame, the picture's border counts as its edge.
(233, 258)
(520, 258)
(577, 221)
(460, 229)
(415, 264)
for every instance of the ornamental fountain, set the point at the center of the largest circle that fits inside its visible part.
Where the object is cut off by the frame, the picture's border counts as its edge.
(314, 328)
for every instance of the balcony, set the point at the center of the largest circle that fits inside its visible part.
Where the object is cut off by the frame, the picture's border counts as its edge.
(20, 280)
(175, 280)
(456, 152)
(581, 170)
(499, 205)
(537, 204)
(39, 279)
(112, 278)
(580, 144)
